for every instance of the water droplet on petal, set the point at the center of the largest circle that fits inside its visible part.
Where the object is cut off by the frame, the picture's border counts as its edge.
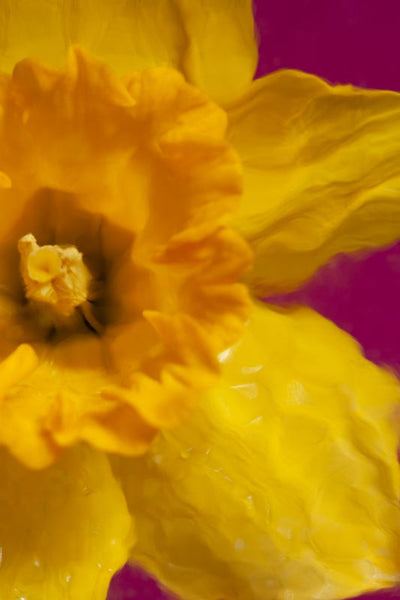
(239, 545)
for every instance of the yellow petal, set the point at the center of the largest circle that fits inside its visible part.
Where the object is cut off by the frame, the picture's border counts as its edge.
(221, 55)
(212, 42)
(321, 174)
(127, 35)
(64, 531)
(33, 29)
(285, 484)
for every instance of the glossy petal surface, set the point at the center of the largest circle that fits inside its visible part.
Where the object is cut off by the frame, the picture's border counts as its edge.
(64, 531)
(321, 174)
(285, 483)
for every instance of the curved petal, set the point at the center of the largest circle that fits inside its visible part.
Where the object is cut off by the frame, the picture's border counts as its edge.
(64, 531)
(213, 43)
(322, 174)
(285, 483)
(129, 35)
(221, 55)
(33, 29)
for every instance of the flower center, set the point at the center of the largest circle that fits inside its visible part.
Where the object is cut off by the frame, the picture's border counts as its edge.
(56, 278)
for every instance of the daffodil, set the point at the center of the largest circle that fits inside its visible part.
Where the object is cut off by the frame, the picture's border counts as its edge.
(150, 411)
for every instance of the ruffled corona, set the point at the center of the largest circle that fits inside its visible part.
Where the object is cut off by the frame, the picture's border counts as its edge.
(117, 273)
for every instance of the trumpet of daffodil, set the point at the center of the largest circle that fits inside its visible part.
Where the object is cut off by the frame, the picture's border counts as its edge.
(151, 409)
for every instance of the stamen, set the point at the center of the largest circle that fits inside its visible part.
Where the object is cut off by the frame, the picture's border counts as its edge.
(54, 275)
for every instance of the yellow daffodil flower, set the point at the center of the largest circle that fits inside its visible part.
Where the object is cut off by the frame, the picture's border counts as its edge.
(149, 410)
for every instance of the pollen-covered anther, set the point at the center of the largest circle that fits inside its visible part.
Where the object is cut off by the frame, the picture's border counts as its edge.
(54, 275)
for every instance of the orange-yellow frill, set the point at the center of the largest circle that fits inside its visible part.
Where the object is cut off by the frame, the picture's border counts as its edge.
(136, 175)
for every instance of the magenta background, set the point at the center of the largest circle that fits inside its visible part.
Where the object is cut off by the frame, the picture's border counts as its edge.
(345, 41)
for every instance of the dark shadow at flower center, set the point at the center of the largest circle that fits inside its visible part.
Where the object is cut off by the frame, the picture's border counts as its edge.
(55, 218)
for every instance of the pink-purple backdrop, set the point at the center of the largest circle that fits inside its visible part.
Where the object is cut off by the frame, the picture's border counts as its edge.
(345, 41)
